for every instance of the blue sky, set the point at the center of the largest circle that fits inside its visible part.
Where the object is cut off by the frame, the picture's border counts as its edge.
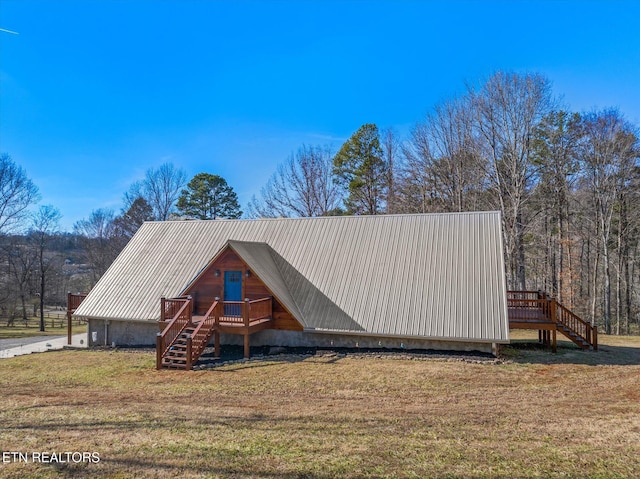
(95, 92)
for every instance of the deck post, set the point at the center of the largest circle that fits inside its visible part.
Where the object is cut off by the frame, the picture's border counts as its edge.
(247, 346)
(216, 343)
(216, 332)
(158, 350)
(595, 338)
(69, 318)
(69, 314)
(245, 312)
(553, 345)
(162, 306)
(188, 353)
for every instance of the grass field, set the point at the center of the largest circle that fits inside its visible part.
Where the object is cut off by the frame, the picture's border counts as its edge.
(33, 329)
(535, 415)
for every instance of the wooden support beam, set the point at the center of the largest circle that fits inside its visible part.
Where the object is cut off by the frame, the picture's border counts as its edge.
(554, 343)
(247, 346)
(245, 312)
(216, 344)
(69, 314)
(188, 364)
(158, 350)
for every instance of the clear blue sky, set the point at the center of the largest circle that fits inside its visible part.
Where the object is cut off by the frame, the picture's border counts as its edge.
(93, 93)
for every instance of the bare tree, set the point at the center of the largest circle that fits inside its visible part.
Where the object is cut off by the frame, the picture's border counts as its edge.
(442, 159)
(301, 186)
(609, 154)
(555, 154)
(507, 109)
(391, 149)
(160, 188)
(17, 193)
(45, 225)
(19, 259)
(98, 234)
(132, 218)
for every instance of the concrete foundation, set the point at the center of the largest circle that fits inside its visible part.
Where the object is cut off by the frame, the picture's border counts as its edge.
(130, 333)
(122, 333)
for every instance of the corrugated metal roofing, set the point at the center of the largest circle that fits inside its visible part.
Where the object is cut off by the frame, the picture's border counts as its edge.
(259, 257)
(434, 275)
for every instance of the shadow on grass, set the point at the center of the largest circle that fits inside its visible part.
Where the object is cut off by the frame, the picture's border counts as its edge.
(114, 467)
(532, 352)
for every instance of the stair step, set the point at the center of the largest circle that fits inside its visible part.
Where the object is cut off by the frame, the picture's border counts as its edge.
(174, 362)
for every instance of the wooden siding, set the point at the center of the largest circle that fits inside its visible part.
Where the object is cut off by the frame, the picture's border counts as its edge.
(208, 286)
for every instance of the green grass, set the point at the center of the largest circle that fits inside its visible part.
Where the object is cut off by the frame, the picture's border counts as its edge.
(537, 415)
(19, 330)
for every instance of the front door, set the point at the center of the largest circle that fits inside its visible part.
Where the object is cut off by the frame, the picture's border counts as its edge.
(233, 292)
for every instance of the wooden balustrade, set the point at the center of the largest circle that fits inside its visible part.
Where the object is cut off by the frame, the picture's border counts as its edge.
(202, 334)
(582, 328)
(525, 294)
(528, 309)
(73, 303)
(169, 307)
(233, 311)
(538, 308)
(74, 300)
(234, 317)
(180, 320)
(260, 308)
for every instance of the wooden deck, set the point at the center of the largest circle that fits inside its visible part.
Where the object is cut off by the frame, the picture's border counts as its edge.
(73, 303)
(185, 336)
(538, 311)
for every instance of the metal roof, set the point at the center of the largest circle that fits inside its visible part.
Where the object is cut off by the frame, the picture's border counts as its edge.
(435, 275)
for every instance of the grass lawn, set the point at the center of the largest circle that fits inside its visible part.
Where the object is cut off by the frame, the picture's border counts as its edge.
(33, 329)
(536, 415)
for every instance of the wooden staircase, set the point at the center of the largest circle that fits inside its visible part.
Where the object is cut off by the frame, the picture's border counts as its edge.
(538, 310)
(176, 356)
(185, 337)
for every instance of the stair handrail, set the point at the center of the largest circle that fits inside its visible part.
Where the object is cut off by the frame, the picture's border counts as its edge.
(554, 312)
(175, 327)
(581, 328)
(200, 336)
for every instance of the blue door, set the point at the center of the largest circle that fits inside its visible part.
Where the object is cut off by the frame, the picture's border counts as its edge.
(233, 292)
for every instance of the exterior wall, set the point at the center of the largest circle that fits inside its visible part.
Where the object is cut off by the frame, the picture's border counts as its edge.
(129, 333)
(208, 286)
(308, 339)
(122, 333)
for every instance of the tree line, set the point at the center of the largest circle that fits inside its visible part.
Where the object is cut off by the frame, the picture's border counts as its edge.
(39, 263)
(567, 184)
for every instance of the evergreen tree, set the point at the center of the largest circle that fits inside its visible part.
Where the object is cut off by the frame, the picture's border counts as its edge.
(208, 197)
(360, 168)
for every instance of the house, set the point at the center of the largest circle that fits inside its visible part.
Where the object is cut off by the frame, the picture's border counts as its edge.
(423, 281)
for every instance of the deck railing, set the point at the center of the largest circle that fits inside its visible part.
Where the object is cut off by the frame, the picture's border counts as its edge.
(260, 308)
(180, 320)
(169, 307)
(582, 328)
(240, 315)
(538, 305)
(74, 300)
(73, 303)
(513, 295)
(204, 330)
